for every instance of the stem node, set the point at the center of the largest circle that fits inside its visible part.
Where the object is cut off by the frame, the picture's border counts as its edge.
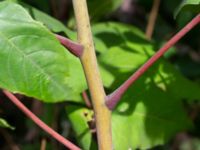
(75, 48)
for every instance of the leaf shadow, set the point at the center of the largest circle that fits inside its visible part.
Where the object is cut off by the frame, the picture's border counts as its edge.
(150, 99)
(120, 39)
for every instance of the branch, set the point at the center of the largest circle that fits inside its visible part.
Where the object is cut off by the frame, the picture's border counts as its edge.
(75, 48)
(152, 19)
(41, 124)
(114, 98)
(90, 67)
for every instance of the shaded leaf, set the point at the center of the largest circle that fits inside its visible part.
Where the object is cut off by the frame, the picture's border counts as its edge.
(147, 122)
(188, 67)
(119, 33)
(126, 41)
(188, 5)
(99, 9)
(151, 111)
(50, 22)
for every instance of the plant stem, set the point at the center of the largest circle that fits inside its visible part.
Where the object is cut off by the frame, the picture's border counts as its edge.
(43, 144)
(115, 97)
(152, 19)
(75, 48)
(39, 122)
(89, 62)
(86, 99)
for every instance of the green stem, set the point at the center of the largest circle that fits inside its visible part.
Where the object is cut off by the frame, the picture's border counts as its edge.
(89, 62)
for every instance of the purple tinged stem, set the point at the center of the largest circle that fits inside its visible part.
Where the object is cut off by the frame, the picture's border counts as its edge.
(113, 98)
(75, 48)
(39, 122)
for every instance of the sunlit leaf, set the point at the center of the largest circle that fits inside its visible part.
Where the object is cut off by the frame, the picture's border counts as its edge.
(32, 60)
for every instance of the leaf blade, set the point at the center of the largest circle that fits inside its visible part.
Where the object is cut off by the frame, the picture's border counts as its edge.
(32, 59)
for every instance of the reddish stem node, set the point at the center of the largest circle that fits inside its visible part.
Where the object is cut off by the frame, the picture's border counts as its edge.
(39, 122)
(75, 48)
(113, 98)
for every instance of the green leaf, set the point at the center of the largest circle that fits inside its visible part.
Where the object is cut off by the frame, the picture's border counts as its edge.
(147, 118)
(43, 5)
(5, 124)
(80, 118)
(32, 60)
(126, 41)
(188, 5)
(151, 111)
(50, 22)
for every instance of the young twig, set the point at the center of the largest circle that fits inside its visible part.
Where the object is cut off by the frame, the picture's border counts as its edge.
(86, 99)
(152, 19)
(115, 97)
(41, 124)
